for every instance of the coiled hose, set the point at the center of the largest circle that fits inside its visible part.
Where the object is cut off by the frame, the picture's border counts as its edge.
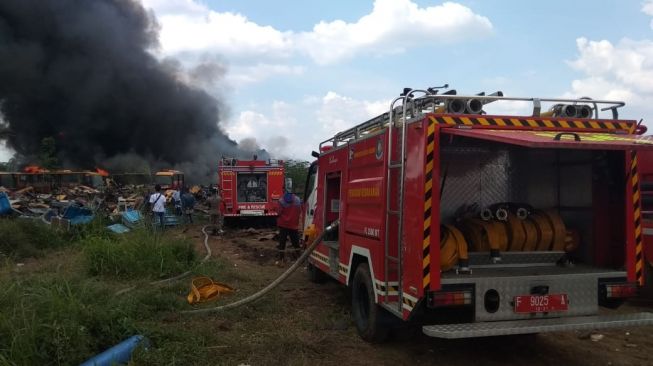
(274, 283)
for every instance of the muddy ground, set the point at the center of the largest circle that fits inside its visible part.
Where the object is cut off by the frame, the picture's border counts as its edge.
(317, 318)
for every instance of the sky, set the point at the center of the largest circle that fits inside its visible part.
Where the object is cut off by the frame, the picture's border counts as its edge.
(293, 73)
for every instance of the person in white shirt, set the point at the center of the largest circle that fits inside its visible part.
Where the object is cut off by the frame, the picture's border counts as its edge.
(158, 202)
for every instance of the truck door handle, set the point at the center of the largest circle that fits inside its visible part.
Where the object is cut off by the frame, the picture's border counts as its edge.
(558, 136)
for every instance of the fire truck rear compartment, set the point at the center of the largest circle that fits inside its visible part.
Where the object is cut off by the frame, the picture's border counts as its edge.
(587, 187)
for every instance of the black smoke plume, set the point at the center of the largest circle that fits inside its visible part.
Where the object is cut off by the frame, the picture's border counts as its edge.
(82, 71)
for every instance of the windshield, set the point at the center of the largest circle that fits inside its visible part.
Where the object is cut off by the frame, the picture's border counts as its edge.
(163, 179)
(252, 187)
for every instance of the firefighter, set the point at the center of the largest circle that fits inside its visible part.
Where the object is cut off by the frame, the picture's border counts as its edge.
(188, 204)
(215, 206)
(288, 222)
(158, 202)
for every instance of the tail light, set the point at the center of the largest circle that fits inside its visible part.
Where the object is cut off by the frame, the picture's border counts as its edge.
(620, 290)
(450, 298)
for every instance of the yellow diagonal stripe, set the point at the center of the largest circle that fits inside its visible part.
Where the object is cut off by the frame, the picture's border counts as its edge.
(427, 280)
(427, 261)
(449, 120)
(427, 222)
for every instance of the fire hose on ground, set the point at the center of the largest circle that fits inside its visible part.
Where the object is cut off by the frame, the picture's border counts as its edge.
(274, 283)
(179, 276)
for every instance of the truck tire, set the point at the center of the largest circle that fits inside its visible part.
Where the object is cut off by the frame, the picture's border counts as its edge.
(370, 318)
(315, 274)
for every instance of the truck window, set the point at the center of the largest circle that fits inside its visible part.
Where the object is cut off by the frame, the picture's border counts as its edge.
(163, 179)
(252, 187)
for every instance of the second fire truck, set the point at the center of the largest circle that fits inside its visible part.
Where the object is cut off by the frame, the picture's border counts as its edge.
(477, 224)
(250, 188)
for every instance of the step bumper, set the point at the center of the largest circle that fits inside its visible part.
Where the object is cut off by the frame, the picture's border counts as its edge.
(488, 329)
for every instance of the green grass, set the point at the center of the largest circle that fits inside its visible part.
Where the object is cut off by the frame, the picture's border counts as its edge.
(64, 308)
(138, 254)
(28, 238)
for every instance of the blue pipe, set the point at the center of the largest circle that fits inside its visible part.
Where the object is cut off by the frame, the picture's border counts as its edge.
(121, 353)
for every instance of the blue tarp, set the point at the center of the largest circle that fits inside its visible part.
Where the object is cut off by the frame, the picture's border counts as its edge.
(118, 228)
(5, 205)
(78, 215)
(131, 217)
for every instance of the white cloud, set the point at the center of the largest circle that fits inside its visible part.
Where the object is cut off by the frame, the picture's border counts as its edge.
(647, 8)
(621, 71)
(187, 26)
(337, 113)
(393, 26)
(240, 75)
(278, 128)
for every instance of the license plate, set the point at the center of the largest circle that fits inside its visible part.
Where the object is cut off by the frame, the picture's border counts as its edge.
(541, 303)
(251, 212)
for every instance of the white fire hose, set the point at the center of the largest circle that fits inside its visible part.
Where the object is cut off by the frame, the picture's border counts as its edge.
(274, 283)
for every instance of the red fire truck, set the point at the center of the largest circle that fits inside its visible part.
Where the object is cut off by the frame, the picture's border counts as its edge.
(475, 224)
(250, 187)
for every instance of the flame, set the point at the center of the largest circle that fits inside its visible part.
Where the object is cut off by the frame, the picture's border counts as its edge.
(34, 169)
(102, 172)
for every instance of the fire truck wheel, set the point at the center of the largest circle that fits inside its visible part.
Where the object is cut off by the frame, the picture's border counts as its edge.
(369, 317)
(315, 274)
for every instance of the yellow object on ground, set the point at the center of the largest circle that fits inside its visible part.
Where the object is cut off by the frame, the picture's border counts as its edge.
(204, 289)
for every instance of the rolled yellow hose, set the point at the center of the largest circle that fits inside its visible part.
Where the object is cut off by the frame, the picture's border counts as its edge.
(544, 231)
(532, 236)
(559, 230)
(516, 233)
(448, 249)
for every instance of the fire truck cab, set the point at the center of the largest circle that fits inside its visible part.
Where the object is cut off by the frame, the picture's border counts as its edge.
(514, 224)
(250, 187)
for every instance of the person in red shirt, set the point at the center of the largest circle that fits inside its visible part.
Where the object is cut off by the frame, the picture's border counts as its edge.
(289, 210)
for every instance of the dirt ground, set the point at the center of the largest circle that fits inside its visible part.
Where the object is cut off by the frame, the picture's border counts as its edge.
(319, 316)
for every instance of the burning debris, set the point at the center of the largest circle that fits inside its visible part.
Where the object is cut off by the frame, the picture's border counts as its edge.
(83, 73)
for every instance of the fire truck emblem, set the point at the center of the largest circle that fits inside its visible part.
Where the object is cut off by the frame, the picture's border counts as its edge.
(379, 149)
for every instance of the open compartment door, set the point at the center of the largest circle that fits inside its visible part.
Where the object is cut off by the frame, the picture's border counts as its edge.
(557, 139)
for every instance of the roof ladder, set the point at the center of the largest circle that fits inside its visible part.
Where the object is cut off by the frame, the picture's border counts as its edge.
(393, 256)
